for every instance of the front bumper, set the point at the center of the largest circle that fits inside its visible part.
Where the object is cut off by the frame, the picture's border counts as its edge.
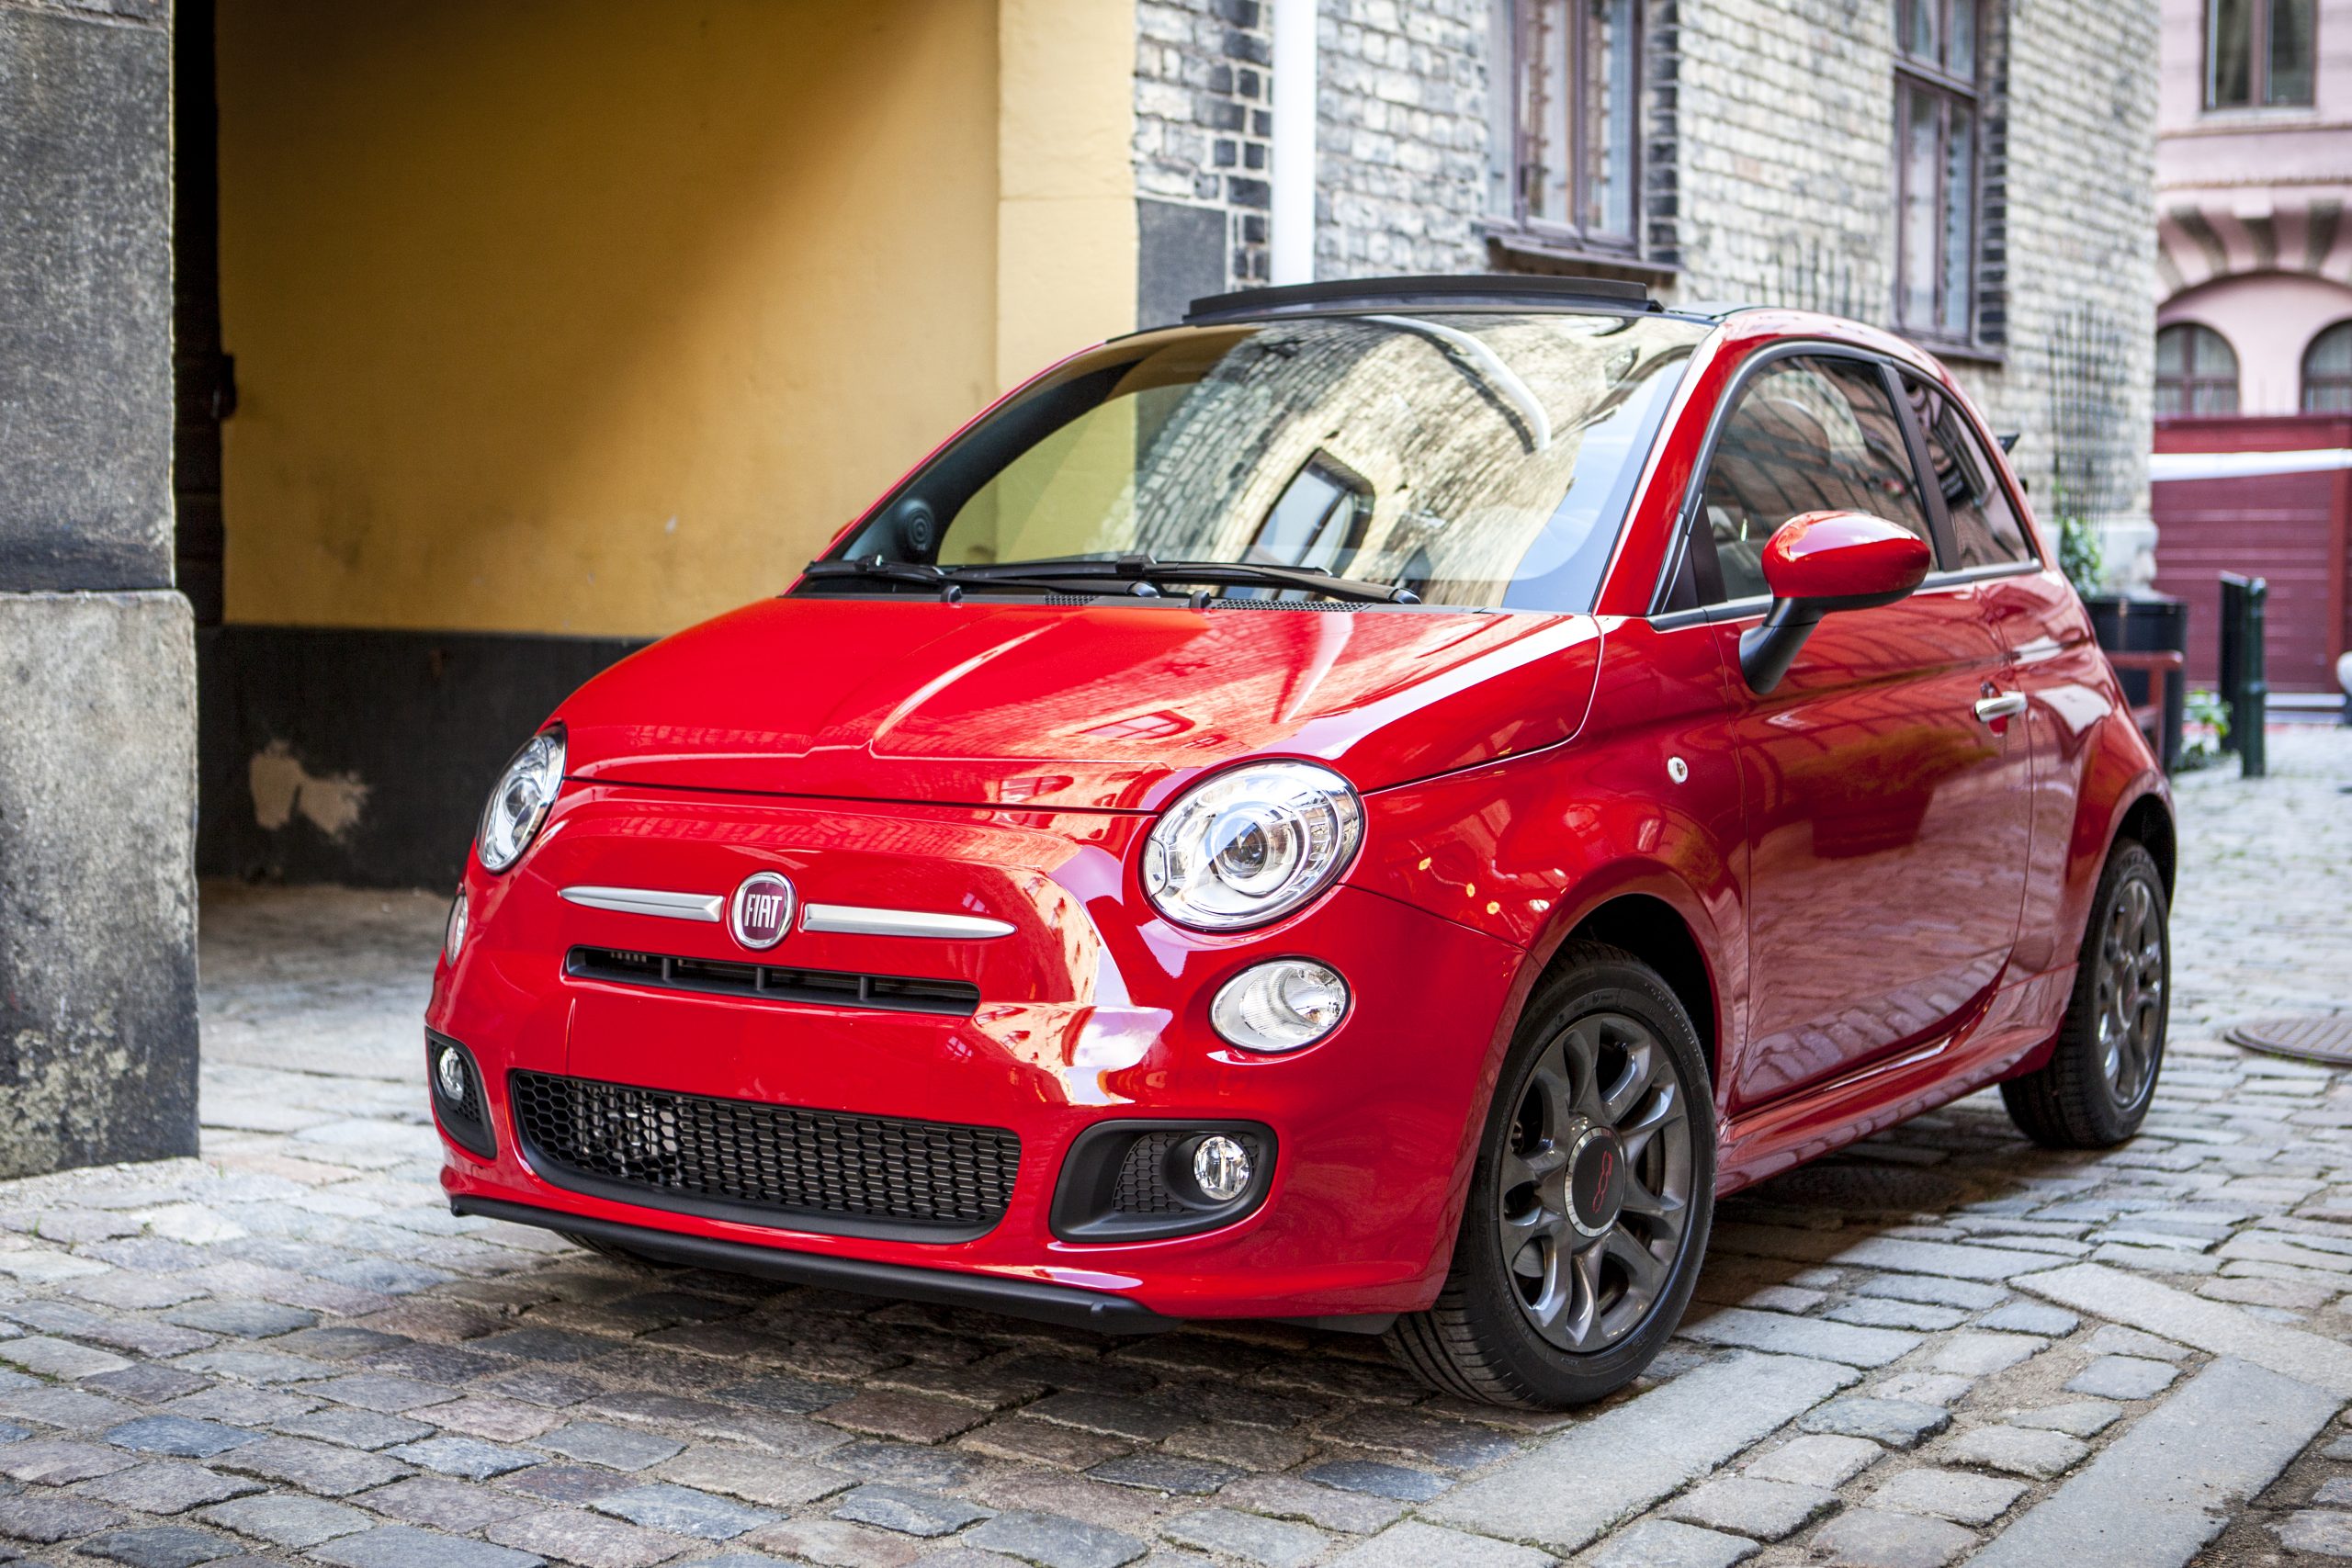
(1086, 1016)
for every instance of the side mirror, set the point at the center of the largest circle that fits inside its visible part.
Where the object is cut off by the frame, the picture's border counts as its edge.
(1819, 562)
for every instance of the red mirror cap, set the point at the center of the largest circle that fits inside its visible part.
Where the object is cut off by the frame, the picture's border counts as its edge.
(1844, 555)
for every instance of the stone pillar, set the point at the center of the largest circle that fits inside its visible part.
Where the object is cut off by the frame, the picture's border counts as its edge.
(97, 681)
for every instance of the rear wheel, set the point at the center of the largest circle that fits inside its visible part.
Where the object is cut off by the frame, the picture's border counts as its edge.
(2095, 1089)
(1589, 1205)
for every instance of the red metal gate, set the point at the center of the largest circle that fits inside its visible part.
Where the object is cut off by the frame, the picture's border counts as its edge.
(2289, 527)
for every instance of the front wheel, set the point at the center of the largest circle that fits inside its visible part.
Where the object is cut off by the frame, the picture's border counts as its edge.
(1591, 1201)
(2094, 1091)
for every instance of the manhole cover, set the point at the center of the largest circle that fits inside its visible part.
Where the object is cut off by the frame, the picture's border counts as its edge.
(2325, 1037)
(1864, 1189)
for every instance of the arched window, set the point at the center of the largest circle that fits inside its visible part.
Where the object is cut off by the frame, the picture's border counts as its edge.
(2327, 371)
(2197, 371)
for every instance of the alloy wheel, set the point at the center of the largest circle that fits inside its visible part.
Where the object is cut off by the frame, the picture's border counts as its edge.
(2130, 1000)
(1593, 1187)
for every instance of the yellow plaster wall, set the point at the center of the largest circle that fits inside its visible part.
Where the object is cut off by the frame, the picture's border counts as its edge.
(600, 316)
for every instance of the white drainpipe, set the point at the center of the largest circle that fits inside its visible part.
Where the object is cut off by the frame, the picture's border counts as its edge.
(1293, 239)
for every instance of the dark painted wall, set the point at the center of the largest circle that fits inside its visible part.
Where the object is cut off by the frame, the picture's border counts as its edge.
(373, 751)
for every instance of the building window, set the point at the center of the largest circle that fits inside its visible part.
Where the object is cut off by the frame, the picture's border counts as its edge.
(1938, 123)
(2197, 371)
(2327, 371)
(1564, 158)
(2259, 53)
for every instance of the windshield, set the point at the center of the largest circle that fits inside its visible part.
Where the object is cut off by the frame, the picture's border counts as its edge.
(1467, 459)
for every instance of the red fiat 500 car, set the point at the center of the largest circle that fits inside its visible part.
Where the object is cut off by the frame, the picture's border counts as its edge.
(1372, 807)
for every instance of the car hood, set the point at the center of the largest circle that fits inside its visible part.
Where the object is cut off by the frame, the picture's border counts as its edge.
(1102, 706)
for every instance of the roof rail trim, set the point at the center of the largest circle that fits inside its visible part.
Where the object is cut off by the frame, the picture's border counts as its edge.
(1392, 292)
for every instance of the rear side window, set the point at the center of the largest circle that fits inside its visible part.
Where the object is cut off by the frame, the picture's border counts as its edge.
(1807, 434)
(1983, 524)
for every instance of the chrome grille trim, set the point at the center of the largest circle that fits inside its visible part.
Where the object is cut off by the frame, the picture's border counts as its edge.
(708, 909)
(850, 919)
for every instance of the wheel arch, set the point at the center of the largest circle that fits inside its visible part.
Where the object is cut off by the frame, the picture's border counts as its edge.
(2148, 821)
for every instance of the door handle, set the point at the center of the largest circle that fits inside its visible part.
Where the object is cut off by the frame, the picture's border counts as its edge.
(2009, 705)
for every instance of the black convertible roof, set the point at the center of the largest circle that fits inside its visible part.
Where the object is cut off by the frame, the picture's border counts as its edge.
(1455, 291)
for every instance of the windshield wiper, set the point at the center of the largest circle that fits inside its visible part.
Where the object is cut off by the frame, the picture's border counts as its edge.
(944, 581)
(1215, 573)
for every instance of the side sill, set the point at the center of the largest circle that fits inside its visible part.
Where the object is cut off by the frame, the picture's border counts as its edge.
(1064, 1305)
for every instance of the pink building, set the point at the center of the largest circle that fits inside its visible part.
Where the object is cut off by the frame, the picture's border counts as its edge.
(2254, 167)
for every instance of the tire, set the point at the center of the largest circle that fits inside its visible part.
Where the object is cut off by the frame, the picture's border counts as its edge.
(2094, 1091)
(1580, 1306)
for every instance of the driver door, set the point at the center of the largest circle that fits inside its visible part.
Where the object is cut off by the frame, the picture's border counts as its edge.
(1886, 823)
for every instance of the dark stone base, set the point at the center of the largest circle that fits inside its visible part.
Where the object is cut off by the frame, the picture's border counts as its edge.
(97, 895)
(364, 757)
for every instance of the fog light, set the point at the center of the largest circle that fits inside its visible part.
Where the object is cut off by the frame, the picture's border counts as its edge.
(1221, 1169)
(1282, 1006)
(453, 936)
(449, 1073)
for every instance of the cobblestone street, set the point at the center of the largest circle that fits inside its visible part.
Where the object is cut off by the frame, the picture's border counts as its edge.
(1942, 1344)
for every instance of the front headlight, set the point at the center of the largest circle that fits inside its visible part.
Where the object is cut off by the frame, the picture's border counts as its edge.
(520, 802)
(1252, 844)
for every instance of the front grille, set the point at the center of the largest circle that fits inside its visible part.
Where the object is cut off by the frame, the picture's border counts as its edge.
(1142, 1186)
(774, 983)
(820, 1170)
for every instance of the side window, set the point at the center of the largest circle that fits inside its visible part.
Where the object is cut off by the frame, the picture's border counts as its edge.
(1807, 434)
(1984, 524)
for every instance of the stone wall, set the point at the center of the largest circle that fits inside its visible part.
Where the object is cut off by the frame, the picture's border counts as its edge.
(1203, 150)
(1401, 136)
(98, 720)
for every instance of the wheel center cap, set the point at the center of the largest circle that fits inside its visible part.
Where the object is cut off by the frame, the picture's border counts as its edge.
(1596, 1181)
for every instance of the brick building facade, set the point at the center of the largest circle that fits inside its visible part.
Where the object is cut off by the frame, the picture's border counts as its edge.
(1769, 171)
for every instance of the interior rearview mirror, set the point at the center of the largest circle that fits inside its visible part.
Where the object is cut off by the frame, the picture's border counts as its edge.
(1823, 561)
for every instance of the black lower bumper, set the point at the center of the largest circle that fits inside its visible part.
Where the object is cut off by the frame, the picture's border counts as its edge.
(1062, 1304)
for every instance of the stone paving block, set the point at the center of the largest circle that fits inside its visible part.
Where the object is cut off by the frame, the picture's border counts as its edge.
(160, 1546)
(45, 1518)
(2017, 1450)
(468, 1457)
(1747, 1505)
(783, 1394)
(148, 1383)
(662, 1506)
(570, 1535)
(355, 1429)
(2079, 1418)
(1816, 1459)
(315, 1467)
(1924, 1388)
(399, 1546)
(762, 1479)
(1590, 1476)
(70, 1408)
(1974, 1296)
(2320, 1533)
(1392, 1481)
(258, 1366)
(2157, 1494)
(166, 1486)
(48, 1358)
(239, 1405)
(2123, 1377)
(180, 1435)
(2215, 1327)
(1287, 1497)
(1897, 1423)
(385, 1393)
(1975, 1353)
(1864, 1537)
(1248, 1447)
(1025, 1441)
(832, 1541)
(1777, 1332)
(1114, 1414)
(908, 1418)
(1873, 1312)
(1457, 1445)
(284, 1519)
(548, 1386)
(60, 1462)
(2114, 1339)
(1949, 1494)
(500, 1420)
(1662, 1543)
(1413, 1544)
(908, 1464)
(567, 1482)
(1165, 1473)
(442, 1504)
(906, 1510)
(1275, 1542)
(2032, 1317)
(619, 1448)
(245, 1319)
